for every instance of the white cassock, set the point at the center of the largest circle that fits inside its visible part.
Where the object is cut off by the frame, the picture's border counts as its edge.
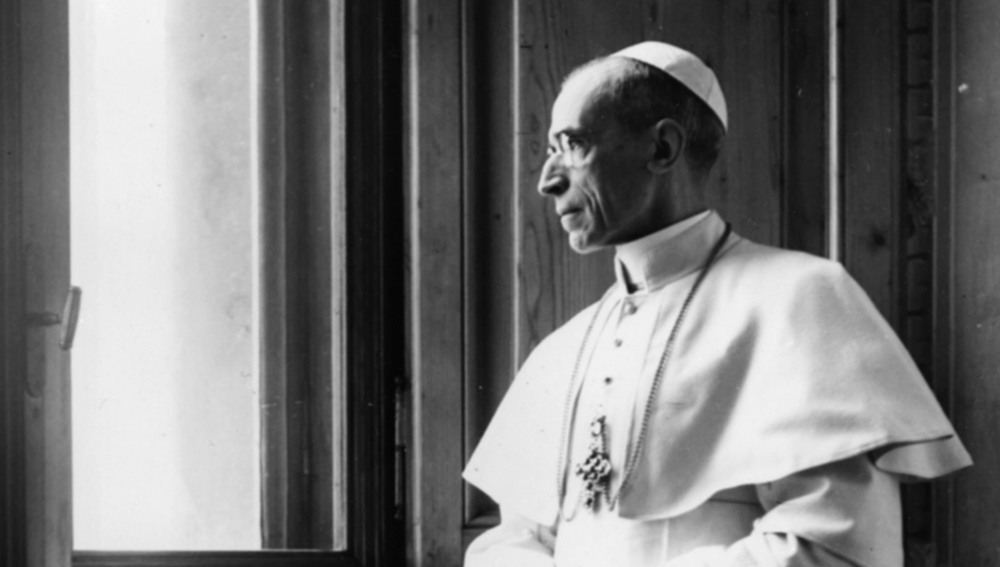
(785, 418)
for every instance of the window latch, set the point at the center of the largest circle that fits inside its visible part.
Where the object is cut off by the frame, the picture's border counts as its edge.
(68, 318)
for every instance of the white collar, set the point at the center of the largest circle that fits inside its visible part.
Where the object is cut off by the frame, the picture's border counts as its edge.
(667, 254)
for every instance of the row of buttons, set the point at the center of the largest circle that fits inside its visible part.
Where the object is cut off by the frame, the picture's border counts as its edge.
(630, 309)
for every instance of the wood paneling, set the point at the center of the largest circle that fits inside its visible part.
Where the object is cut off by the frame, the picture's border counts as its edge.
(972, 76)
(871, 138)
(435, 204)
(733, 37)
(942, 278)
(918, 222)
(296, 364)
(489, 228)
(45, 213)
(375, 329)
(553, 281)
(13, 536)
(805, 63)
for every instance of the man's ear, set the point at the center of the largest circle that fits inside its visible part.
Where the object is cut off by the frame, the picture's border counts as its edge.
(668, 145)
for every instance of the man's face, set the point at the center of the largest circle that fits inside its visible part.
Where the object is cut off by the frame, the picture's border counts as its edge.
(596, 172)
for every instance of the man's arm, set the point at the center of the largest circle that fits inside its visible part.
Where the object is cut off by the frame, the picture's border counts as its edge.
(845, 513)
(516, 542)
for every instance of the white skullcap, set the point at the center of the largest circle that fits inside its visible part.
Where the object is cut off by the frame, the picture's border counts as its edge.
(683, 66)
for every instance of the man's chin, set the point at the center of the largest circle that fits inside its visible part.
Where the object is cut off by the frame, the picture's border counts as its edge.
(581, 244)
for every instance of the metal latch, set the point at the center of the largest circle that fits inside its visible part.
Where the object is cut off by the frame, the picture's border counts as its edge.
(69, 318)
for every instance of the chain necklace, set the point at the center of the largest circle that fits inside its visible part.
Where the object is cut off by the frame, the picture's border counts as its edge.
(595, 470)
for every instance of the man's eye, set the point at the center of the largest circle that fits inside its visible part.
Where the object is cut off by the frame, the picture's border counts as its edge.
(570, 143)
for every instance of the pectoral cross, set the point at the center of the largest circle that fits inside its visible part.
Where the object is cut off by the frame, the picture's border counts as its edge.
(595, 470)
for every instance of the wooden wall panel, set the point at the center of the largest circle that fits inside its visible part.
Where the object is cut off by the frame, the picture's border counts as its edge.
(555, 36)
(489, 189)
(13, 535)
(733, 37)
(806, 68)
(871, 138)
(434, 213)
(944, 374)
(45, 194)
(972, 77)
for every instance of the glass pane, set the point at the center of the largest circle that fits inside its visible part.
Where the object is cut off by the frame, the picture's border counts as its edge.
(165, 390)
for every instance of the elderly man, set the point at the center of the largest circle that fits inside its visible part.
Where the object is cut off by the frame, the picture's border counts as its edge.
(725, 403)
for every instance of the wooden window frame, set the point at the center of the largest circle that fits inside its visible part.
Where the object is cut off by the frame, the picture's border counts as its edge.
(296, 199)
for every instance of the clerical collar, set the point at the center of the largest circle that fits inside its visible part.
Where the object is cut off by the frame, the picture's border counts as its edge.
(667, 254)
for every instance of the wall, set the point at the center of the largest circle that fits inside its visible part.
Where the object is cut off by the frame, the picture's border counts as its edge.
(969, 80)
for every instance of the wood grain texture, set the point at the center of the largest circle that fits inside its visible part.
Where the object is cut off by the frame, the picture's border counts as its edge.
(944, 375)
(338, 277)
(375, 256)
(13, 536)
(805, 62)
(296, 359)
(554, 37)
(872, 148)
(742, 42)
(917, 225)
(435, 232)
(273, 335)
(975, 262)
(489, 227)
(45, 192)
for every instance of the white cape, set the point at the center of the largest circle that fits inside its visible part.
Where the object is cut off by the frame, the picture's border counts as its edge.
(782, 364)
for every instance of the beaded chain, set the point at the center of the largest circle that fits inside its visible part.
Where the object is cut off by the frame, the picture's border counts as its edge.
(595, 470)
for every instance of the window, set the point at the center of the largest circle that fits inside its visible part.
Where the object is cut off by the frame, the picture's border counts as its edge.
(164, 239)
(297, 231)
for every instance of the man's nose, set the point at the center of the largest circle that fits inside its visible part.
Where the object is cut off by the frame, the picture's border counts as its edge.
(553, 181)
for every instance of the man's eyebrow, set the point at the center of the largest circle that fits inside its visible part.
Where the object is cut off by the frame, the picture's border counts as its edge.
(571, 131)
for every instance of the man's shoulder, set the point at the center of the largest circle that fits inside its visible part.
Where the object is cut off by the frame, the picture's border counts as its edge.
(781, 262)
(761, 268)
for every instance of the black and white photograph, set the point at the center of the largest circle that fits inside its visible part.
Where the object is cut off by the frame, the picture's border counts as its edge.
(499, 283)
